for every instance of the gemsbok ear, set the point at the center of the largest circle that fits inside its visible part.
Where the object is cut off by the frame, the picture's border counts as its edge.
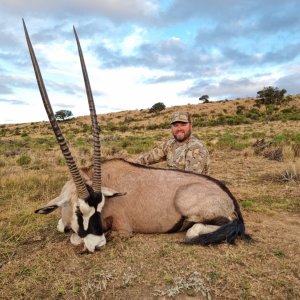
(108, 192)
(68, 191)
(46, 210)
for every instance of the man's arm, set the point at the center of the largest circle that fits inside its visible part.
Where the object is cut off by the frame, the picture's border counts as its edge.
(197, 159)
(154, 156)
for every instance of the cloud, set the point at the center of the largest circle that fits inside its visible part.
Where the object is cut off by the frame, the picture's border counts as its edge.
(11, 82)
(222, 12)
(13, 102)
(64, 106)
(286, 54)
(4, 89)
(225, 88)
(108, 108)
(290, 82)
(115, 10)
(169, 54)
(167, 78)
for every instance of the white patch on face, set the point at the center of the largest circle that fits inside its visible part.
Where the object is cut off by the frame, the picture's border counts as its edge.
(61, 226)
(74, 221)
(87, 211)
(101, 204)
(92, 241)
(75, 239)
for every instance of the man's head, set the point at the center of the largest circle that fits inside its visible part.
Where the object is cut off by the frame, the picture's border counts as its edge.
(181, 126)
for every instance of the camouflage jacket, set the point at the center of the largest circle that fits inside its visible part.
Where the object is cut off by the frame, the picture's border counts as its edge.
(190, 156)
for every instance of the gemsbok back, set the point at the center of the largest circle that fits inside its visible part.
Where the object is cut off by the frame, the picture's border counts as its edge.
(117, 195)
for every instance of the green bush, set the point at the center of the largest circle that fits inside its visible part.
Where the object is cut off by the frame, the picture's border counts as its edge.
(24, 160)
(86, 128)
(136, 144)
(229, 120)
(228, 140)
(164, 125)
(270, 95)
(157, 107)
(240, 109)
(253, 114)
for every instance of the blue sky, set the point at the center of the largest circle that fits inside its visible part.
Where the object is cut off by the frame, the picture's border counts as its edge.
(139, 52)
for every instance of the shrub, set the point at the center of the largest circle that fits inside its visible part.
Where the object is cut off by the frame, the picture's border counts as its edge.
(24, 134)
(63, 114)
(111, 127)
(136, 144)
(274, 154)
(229, 120)
(164, 125)
(253, 114)
(85, 128)
(291, 173)
(204, 99)
(268, 150)
(240, 109)
(23, 160)
(229, 141)
(157, 107)
(271, 95)
(123, 128)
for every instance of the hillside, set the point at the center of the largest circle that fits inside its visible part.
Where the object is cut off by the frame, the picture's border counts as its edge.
(37, 262)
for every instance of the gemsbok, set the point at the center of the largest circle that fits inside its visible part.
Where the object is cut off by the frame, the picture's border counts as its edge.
(117, 195)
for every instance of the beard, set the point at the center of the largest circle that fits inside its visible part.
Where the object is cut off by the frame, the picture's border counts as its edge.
(182, 136)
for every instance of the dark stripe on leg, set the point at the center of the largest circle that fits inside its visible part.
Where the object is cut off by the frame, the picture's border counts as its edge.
(177, 226)
(219, 221)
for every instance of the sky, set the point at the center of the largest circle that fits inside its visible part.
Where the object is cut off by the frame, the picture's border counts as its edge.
(140, 52)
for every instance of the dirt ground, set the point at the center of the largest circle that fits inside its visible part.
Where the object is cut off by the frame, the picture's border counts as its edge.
(146, 266)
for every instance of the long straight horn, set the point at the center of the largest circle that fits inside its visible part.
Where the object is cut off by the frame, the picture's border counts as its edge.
(95, 127)
(80, 185)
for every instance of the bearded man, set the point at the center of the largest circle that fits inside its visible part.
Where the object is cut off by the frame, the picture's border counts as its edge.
(183, 151)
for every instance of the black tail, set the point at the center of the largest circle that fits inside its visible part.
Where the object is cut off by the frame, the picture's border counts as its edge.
(226, 233)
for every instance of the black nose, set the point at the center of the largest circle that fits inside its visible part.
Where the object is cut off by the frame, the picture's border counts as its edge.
(94, 225)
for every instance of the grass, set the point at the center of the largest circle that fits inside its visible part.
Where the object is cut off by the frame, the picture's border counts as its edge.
(230, 141)
(37, 262)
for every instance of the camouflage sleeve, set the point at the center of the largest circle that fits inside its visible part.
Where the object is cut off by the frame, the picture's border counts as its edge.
(154, 156)
(197, 159)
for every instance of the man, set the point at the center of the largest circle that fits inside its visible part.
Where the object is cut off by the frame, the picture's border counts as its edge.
(183, 151)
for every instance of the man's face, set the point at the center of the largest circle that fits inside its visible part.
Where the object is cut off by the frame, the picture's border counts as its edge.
(181, 131)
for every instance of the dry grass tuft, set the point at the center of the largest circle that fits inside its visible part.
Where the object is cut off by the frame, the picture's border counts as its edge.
(267, 150)
(291, 173)
(296, 149)
(191, 284)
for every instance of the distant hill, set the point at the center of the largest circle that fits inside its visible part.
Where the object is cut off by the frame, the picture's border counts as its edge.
(225, 112)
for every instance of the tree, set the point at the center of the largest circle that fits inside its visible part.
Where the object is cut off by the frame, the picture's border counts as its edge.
(63, 114)
(204, 98)
(271, 95)
(157, 107)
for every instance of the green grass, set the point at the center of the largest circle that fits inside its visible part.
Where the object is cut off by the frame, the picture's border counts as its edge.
(230, 141)
(135, 144)
(269, 203)
(24, 160)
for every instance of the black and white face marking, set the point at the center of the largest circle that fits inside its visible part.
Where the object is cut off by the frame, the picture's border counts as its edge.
(87, 222)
